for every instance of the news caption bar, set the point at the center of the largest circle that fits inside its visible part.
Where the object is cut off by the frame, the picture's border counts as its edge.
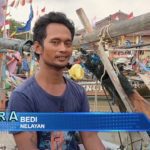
(14, 121)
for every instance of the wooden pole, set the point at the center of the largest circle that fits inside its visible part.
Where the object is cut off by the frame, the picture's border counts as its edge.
(136, 24)
(114, 78)
(84, 20)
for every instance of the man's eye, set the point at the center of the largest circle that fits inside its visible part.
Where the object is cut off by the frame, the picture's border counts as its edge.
(68, 43)
(55, 42)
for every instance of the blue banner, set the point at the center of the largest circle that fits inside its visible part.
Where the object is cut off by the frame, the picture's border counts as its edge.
(74, 121)
(27, 26)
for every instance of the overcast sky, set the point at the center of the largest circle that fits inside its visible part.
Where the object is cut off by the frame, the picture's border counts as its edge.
(92, 8)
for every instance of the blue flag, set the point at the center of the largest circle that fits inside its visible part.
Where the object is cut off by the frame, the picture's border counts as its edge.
(27, 26)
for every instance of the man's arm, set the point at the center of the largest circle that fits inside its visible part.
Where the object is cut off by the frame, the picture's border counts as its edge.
(26, 140)
(91, 141)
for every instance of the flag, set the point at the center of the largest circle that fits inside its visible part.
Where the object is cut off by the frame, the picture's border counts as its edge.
(22, 2)
(12, 3)
(30, 1)
(43, 9)
(7, 25)
(3, 4)
(8, 14)
(2, 12)
(17, 3)
(130, 16)
(2, 17)
(27, 26)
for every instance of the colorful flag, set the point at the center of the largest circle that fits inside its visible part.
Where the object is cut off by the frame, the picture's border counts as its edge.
(12, 3)
(43, 9)
(27, 26)
(130, 16)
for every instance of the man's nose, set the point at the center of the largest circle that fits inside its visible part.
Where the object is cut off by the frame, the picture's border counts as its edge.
(62, 47)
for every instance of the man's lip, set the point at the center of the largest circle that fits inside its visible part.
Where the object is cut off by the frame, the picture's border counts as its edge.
(62, 56)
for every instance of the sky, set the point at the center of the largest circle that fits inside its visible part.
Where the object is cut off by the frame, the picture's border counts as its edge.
(93, 8)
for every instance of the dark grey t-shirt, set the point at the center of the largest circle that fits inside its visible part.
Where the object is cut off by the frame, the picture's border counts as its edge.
(30, 97)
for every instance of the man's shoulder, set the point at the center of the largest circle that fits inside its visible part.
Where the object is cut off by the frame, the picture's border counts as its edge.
(75, 85)
(71, 82)
(26, 86)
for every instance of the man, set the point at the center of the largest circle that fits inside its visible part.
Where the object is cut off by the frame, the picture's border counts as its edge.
(49, 91)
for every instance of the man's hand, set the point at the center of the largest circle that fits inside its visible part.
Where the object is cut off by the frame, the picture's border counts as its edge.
(26, 140)
(91, 141)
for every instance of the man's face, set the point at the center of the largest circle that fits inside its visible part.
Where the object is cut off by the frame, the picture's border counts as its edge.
(57, 46)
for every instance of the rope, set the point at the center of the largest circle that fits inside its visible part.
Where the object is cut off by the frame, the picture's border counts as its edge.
(101, 79)
(104, 35)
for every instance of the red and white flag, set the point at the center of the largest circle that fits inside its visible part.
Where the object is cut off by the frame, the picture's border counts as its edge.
(12, 4)
(30, 1)
(17, 3)
(22, 2)
(43, 10)
(130, 16)
(8, 14)
(6, 26)
(2, 12)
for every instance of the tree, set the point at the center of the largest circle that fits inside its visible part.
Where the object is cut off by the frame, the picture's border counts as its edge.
(13, 26)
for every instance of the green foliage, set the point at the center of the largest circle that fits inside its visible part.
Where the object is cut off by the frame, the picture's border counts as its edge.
(13, 26)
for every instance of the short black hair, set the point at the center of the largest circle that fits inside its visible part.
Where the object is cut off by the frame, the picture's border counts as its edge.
(39, 30)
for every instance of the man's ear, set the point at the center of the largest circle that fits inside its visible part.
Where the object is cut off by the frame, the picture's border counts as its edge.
(37, 47)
